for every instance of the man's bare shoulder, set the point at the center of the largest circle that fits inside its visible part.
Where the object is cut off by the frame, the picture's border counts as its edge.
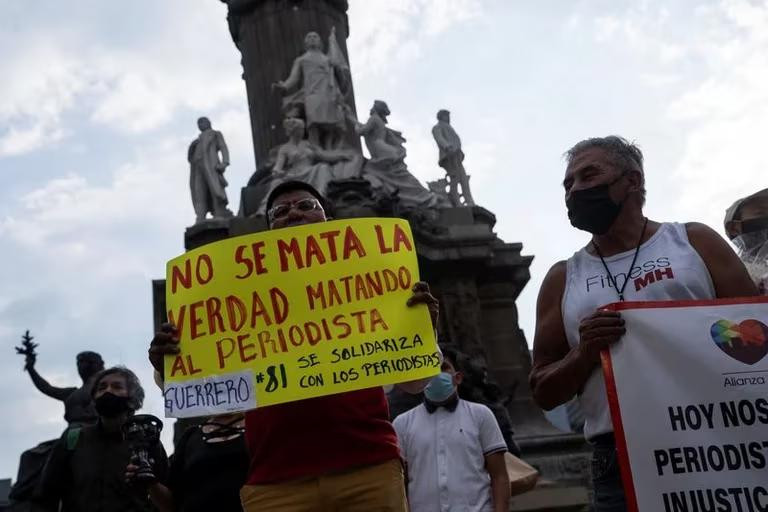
(555, 276)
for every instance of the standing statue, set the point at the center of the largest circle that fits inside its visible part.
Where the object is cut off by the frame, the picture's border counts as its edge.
(78, 405)
(320, 82)
(206, 179)
(451, 159)
(387, 169)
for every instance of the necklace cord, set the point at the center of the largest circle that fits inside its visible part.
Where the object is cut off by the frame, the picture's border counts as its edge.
(611, 280)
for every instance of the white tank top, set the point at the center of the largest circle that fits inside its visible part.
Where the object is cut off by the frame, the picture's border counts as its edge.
(667, 268)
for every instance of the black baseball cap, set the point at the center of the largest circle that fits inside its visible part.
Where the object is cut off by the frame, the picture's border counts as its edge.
(288, 186)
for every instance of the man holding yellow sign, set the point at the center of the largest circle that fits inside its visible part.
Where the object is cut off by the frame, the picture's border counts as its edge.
(310, 323)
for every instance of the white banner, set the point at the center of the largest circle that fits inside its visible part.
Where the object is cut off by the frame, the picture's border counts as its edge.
(689, 402)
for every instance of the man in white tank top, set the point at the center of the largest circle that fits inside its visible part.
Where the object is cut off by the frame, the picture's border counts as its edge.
(628, 258)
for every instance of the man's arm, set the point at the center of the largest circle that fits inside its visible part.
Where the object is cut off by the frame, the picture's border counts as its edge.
(493, 446)
(559, 372)
(422, 295)
(44, 387)
(729, 276)
(497, 470)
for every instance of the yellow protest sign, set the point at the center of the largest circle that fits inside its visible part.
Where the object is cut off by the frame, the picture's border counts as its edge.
(295, 313)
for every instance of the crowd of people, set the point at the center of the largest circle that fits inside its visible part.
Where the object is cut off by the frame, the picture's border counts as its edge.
(446, 452)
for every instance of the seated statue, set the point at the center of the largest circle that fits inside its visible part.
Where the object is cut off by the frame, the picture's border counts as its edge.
(299, 159)
(387, 169)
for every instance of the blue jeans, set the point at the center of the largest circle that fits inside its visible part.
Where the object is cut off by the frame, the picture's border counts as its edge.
(606, 478)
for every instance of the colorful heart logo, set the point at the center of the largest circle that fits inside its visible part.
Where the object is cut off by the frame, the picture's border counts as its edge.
(746, 342)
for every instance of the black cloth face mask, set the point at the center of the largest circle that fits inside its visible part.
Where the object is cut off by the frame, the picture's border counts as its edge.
(754, 224)
(110, 405)
(592, 209)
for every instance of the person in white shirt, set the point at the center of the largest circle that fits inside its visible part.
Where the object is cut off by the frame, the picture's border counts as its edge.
(453, 449)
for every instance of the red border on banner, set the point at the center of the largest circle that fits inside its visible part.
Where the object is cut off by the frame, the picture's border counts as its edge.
(618, 432)
(610, 382)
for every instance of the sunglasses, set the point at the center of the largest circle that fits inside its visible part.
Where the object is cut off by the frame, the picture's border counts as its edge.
(305, 205)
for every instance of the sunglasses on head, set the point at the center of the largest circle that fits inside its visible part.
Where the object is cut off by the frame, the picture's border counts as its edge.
(305, 205)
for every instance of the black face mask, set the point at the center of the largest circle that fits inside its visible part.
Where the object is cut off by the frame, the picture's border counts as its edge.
(592, 209)
(110, 405)
(754, 224)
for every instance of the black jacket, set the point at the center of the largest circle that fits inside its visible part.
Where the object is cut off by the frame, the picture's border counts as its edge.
(86, 473)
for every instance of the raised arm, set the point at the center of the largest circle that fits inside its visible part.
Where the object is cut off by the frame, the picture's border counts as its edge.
(559, 372)
(44, 387)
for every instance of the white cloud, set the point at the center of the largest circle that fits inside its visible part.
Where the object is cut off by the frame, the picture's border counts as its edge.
(390, 33)
(35, 96)
(132, 90)
(719, 107)
(725, 112)
(18, 140)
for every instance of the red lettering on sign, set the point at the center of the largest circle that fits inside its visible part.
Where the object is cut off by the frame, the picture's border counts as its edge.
(254, 263)
(258, 310)
(243, 347)
(401, 238)
(279, 305)
(383, 249)
(235, 312)
(223, 353)
(195, 320)
(213, 310)
(178, 320)
(330, 238)
(285, 249)
(184, 279)
(313, 251)
(376, 320)
(203, 258)
(352, 243)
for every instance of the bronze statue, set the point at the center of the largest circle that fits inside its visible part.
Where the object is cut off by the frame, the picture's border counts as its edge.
(78, 405)
(452, 159)
(206, 179)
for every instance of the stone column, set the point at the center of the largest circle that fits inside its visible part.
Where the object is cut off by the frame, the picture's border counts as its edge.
(270, 35)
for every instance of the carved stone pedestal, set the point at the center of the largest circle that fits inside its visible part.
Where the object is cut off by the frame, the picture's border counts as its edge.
(205, 232)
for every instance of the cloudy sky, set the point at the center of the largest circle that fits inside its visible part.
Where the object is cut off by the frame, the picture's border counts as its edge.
(98, 103)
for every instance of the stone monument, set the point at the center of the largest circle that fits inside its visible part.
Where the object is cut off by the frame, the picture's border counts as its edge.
(318, 80)
(270, 34)
(452, 159)
(476, 275)
(386, 169)
(206, 173)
